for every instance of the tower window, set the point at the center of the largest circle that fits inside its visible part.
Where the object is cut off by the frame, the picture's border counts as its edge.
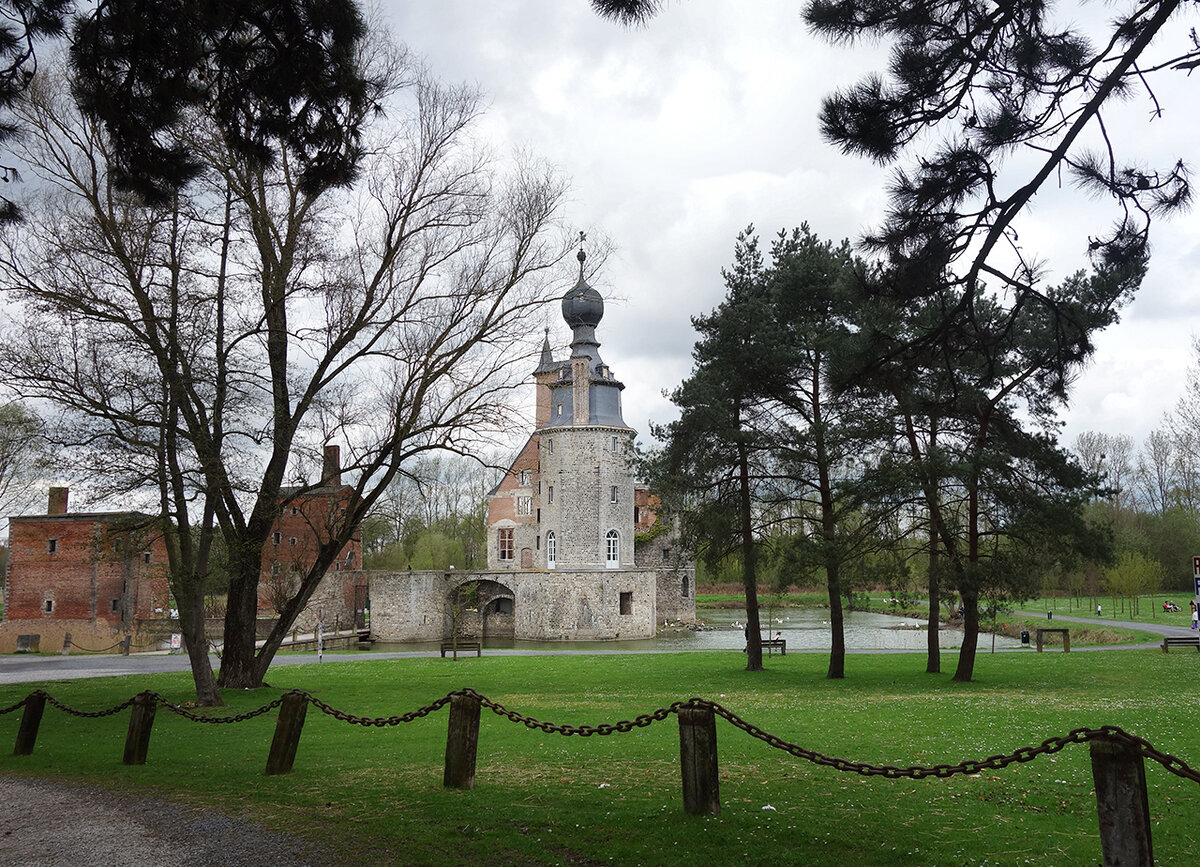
(550, 493)
(627, 602)
(504, 539)
(51, 548)
(49, 606)
(524, 505)
(523, 478)
(275, 538)
(551, 549)
(612, 494)
(614, 444)
(292, 541)
(145, 556)
(612, 549)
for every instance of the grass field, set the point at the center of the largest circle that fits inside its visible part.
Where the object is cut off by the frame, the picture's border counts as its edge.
(374, 795)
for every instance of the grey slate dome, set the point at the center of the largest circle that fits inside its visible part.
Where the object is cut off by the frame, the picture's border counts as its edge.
(582, 306)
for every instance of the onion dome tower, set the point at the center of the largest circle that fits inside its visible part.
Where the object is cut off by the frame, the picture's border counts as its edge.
(584, 446)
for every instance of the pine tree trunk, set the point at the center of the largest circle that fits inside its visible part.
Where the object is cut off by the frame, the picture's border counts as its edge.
(965, 671)
(837, 631)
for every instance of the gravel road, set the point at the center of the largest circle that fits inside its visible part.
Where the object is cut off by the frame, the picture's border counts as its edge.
(46, 823)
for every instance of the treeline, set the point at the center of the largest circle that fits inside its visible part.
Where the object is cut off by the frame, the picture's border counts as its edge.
(860, 424)
(433, 516)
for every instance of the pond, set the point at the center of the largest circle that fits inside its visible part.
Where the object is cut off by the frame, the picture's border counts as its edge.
(804, 629)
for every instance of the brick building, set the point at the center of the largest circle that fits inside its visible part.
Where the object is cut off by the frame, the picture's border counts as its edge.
(100, 571)
(308, 519)
(96, 573)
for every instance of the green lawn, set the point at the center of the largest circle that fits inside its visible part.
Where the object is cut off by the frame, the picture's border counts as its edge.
(375, 795)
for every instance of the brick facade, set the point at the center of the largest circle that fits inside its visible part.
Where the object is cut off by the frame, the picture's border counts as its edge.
(106, 567)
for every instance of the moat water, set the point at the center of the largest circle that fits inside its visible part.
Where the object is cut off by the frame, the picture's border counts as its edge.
(803, 629)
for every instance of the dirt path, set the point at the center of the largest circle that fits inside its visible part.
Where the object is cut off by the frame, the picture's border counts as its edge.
(46, 823)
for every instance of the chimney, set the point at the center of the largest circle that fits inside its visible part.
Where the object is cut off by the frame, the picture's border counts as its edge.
(331, 472)
(58, 501)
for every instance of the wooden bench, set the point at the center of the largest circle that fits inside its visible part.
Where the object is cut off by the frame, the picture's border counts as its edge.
(1180, 641)
(463, 647)
(1066, 634)
(770, 643)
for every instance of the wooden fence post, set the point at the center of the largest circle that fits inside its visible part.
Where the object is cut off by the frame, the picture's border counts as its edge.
(462, 742)
(698, 759)
(141, 721)
(66, 651)
(31, 718)
(287, 734)
(1121, 801)
(125, 642)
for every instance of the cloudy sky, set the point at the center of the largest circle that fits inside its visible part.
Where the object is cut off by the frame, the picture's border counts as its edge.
(679, 134)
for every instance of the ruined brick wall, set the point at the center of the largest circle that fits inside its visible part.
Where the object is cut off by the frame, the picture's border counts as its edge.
(85, 567)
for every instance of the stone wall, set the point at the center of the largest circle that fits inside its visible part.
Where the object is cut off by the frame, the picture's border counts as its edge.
(583, 468)
(546, 605)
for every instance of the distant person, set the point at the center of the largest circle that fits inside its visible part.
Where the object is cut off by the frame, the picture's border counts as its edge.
(1097, 609)
(1195, 617)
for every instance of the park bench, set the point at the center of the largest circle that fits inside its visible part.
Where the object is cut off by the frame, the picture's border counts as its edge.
(1180, 641)
(770, 643)
(463, 647)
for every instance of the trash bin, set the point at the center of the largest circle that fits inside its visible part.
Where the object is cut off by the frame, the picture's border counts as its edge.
(1024, 636)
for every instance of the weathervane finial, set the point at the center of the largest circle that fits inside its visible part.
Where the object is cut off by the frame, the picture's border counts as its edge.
(581, 256)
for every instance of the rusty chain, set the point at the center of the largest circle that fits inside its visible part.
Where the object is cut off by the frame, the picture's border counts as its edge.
(583, 731)
(919, 772)
(374, 721)
(95, 714)
(1171, 763)
(79, 647)
(182, 711)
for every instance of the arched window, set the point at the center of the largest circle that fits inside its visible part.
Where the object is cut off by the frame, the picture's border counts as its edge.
(551, 550)
(612, 549)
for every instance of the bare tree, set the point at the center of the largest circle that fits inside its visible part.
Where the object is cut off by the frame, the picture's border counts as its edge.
(206, 350)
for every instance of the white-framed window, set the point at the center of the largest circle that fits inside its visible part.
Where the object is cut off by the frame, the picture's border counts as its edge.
(504, 538)
(145, 556)
(551, 550)
(550, 442)
(523, 478)
(612, 549)
(524, 505)
(276, 538)
(49, 606)
(612, 494)
(614, 444)
(550, 493)
(557, 411)
(292, 541)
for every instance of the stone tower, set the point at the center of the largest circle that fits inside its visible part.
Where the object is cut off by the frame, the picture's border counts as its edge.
(585, 448)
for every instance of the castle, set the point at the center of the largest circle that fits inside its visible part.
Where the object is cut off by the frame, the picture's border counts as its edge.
(575, 550)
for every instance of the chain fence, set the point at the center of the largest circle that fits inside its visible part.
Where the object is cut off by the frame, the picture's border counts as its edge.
(1147, 750)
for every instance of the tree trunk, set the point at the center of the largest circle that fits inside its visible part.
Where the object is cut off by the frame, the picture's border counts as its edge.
(238, 665)
(837, 632)
(965, 671)
(749, 563)
(933, 647)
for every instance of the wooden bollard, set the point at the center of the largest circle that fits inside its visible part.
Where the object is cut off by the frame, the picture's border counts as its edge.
(31, 718)
(141, 723)
(1121, 801)
(698, 760)
(287, 734)
(462, 742)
